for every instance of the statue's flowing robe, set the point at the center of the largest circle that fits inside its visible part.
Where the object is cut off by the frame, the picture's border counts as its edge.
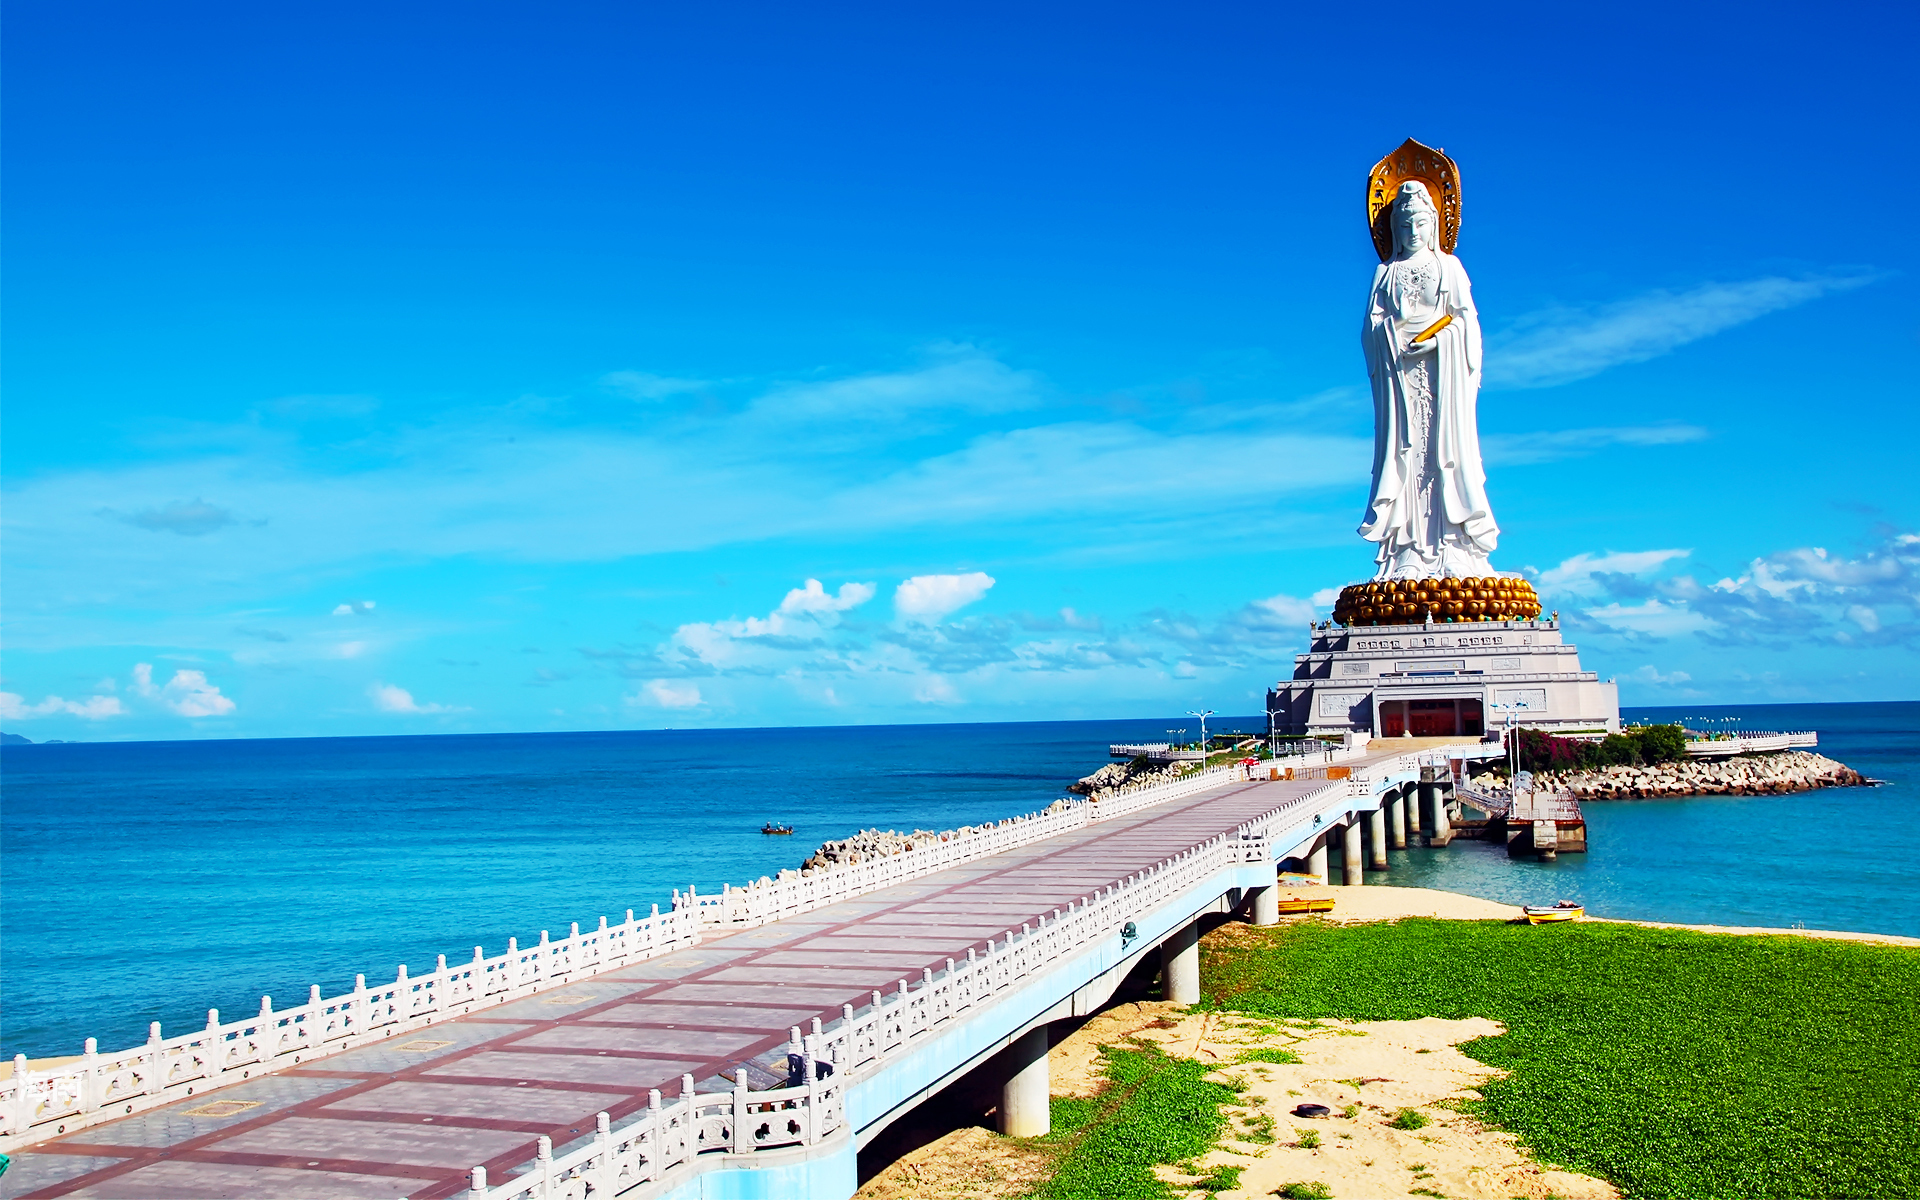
(1429, 510)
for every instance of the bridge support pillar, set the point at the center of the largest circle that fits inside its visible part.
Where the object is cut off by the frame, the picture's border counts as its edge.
(1397, 819)
(1317, 862)
(1265, 908)
(1438, 831)
(1180, 965)
(1350, 838)
(1024, 1104)
(1377, 839)
(1410, 801)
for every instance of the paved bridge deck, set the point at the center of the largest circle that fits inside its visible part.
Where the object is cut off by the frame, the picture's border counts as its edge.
(410, 1117)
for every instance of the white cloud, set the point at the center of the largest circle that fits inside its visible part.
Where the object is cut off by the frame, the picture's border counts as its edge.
(1577, 576)
(968, 382)
(1566, 344)
(188, 518)
(350, 649)
(188, 693)
(388, 698)
(935, 689)
(352, 607)
(815, 599)
(1540, 446)
(803, 614)
(1652, 618)
(643, 385)
(1292, 610)
(1651, 675)
(13, 707)
(667, 693)
(927, 598)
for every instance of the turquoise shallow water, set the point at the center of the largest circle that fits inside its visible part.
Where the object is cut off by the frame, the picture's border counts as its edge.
(1838, 858)
(150, 881)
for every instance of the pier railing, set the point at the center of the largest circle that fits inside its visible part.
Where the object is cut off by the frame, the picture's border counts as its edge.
(1751, 743)
(894, 1022)
(101, 1087)
(768, 899)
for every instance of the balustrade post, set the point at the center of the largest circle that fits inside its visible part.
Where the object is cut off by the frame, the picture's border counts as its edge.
(22, 1095)
(261, 1053)
(741, 1141)
(90, 1076)
(655, 1161)
(542, 957)
(402, 993)
(602, 1174)
(215, 1051)
(357, 1006)
(156, 1073)
(543, 1151)
(478, 1190)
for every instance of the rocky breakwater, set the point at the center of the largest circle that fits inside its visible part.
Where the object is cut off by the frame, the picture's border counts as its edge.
(1743, 775)
(1116, 777)
(871, 844)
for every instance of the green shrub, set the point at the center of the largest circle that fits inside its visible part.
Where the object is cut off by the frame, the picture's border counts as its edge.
(1411, 1118)
(1309, 1139)
(1268, 1054)
(1306, 1191)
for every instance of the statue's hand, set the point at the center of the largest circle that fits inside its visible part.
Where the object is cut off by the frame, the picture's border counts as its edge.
(1413, 348)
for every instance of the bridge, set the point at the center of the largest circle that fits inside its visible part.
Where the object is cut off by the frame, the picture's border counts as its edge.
(744, 1043)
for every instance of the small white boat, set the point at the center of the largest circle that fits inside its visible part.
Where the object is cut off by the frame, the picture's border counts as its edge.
(1565, 910)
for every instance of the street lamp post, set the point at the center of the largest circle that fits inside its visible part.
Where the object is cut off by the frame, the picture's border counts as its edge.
(1203, 732)
(1513, 748)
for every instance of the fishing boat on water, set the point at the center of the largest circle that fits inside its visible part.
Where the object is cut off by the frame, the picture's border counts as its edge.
(1565, 910)
(774, 827)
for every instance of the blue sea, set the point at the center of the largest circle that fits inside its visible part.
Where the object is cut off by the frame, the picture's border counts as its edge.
(153, 880)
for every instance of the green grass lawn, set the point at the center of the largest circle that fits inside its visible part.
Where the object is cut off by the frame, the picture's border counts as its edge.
(1155, 1108)
(1672, 1063)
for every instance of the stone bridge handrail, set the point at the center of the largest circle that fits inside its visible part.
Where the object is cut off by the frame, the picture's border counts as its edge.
(774, 899)
(39, 1104)
(102, 1086)
(861, 1042)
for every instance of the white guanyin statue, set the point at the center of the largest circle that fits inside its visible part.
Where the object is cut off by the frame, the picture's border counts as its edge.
(1428, 510)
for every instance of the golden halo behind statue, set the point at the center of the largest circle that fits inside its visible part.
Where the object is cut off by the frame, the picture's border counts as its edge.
(1431, 167)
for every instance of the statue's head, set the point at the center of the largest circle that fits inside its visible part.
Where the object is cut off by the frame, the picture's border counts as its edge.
(1416, 220)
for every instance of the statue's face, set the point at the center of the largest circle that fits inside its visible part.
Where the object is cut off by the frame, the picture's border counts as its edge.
(1414, 227)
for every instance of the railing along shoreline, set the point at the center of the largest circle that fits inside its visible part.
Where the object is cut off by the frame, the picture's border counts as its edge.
(673, 1132)
(36, 1105)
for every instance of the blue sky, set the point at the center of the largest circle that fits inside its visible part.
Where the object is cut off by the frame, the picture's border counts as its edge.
(457, 368)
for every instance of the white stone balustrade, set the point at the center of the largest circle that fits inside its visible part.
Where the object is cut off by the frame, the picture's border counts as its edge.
(862, 1041)
(41, 1104)
(35, 1105)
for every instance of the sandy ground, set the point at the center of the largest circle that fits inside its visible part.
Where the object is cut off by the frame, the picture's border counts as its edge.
(1373, 1069)
(1378, 1067)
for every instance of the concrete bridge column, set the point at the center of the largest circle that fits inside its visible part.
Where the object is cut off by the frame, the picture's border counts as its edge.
(1350, 838)
(1397, 819)
(1024, 1103)
(1433, 809)
(1377, 839)
(1265, 906)
(1317, 861)
(1410, 801)
(1180, 965)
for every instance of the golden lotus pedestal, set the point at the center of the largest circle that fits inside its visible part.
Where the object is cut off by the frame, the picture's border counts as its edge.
(1418, 601)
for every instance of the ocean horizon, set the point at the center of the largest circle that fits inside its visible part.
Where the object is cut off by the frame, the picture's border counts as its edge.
(153, 880)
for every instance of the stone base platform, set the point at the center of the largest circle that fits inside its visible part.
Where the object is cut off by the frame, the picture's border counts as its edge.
(1442, 679)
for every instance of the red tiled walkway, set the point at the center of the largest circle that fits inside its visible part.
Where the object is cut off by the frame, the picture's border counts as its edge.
(409, 1118)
